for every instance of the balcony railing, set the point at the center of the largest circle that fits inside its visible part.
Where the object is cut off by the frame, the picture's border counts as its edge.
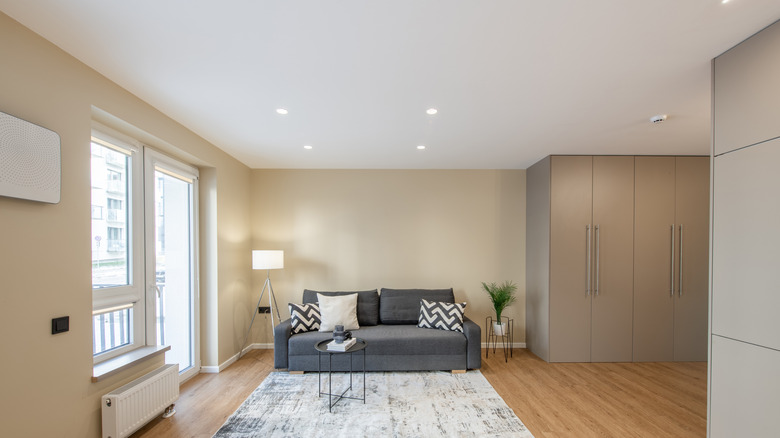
(115, 186)
(116, 245)
(110, 331)
(116, 215)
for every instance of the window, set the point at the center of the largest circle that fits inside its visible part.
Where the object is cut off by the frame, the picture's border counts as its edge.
(111, 330)
(118, 303)
(97, 212)
(115, 234)
(116, 240)
(144, 265)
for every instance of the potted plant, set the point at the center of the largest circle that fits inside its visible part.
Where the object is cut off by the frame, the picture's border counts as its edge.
(501, 295)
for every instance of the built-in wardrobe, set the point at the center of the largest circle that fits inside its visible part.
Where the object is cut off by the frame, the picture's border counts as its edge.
(671, 241)
(616, 258)
(744, 390)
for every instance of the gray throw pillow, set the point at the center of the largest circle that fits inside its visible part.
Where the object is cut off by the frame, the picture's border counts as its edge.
(402, 306)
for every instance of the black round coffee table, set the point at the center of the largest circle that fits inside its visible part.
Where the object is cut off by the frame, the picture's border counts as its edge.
(322, 348)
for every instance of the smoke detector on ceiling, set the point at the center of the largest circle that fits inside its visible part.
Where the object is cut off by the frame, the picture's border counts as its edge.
(660, 118)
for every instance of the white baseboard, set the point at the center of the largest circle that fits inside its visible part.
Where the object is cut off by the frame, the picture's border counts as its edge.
(267, 346)
(234, 358)
(222, 366)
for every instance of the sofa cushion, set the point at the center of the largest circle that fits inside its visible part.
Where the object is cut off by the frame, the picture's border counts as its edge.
(338, 310)
(402, 306)
(367, 304)
(304, 317)
(442, 316)
(389, 340)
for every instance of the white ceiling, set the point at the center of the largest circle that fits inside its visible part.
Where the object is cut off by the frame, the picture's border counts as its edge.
(514, 80)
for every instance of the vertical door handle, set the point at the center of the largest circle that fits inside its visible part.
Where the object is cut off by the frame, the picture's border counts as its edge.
(671, 267)
(598, 247)
(587, 259)
(681, 260)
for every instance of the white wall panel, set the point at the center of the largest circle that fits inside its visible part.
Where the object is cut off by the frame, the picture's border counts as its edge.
(744, 390)
(747, 92)
(746, 246)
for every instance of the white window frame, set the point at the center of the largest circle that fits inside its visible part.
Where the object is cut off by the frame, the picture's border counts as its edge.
(105, 300)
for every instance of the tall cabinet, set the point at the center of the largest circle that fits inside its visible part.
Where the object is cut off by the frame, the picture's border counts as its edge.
(616, 253)
(671, 258)
(744, 389)
(582, 209)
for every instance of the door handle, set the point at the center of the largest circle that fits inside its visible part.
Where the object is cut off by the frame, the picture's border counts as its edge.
(587, 260)
(671, 267)
(681, 261)
(598, 248)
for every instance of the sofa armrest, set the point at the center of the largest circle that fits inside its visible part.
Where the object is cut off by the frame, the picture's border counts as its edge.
(473, 343)
(282, 333)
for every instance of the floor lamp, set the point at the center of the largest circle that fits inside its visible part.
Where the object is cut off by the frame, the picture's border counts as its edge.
(265, 259)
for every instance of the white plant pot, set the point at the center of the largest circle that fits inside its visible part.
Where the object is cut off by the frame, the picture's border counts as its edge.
(499, 328)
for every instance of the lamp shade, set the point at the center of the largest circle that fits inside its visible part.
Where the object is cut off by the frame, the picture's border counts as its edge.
(267, 259)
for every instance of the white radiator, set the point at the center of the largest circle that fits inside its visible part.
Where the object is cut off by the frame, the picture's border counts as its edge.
(129, 407)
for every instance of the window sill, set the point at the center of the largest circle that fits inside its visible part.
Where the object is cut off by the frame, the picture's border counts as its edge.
(120, 363)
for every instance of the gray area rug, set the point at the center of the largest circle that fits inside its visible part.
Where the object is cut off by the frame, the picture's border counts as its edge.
(399, 404)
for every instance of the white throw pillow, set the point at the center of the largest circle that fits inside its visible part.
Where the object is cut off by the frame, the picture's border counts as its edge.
(338, 310)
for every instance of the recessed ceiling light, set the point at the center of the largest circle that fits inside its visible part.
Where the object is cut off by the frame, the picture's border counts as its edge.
(432, 111)
(725, 1)
(421, 147)
(307, 146)
(281, 111)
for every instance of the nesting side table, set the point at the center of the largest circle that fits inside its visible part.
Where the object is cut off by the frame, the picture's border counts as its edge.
(322, 348)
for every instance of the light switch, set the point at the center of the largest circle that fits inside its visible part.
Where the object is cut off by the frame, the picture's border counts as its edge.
(60, 325)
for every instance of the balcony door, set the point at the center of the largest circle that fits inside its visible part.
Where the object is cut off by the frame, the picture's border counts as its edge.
(171, 269)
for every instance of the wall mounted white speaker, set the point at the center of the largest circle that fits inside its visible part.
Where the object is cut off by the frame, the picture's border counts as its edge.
(30, 165)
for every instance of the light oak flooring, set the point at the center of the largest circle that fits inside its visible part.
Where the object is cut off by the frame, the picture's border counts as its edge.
(553, 400)
(661, 399)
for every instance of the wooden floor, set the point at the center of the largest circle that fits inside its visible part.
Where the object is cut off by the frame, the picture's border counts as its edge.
(663, 399)
(553, 400)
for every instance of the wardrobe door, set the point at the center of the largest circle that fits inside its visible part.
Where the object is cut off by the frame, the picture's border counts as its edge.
(692, 264)
(653, 268)
(570, 292)
(612, 259)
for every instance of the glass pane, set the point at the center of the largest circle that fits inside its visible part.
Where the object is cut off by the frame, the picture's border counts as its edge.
(110, 218)
(111, 330)
(173, 255)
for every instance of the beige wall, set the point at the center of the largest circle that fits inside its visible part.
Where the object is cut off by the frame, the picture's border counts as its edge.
(45, 249)
(340, 230)
(366, 229)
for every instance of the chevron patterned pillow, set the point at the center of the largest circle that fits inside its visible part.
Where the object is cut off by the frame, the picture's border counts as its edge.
(442, 316)
(304, 317)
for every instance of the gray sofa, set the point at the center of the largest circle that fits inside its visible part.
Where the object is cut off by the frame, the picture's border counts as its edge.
(388, 324)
